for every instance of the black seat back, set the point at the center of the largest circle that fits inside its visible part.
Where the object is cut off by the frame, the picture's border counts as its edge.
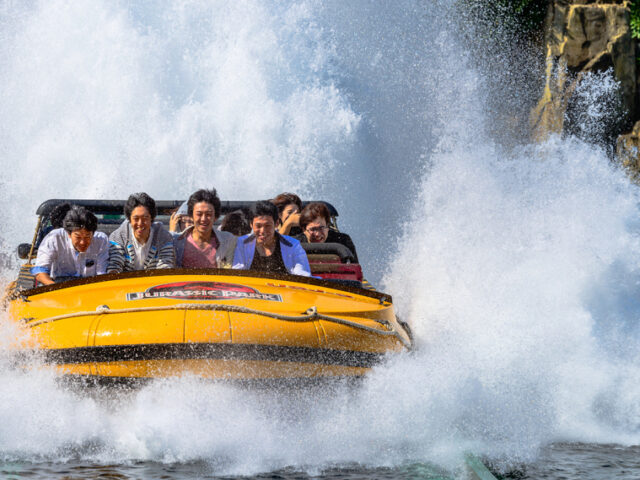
(330, 249)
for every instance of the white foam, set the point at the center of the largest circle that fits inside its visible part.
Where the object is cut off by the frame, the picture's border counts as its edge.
(518, 268)
(100, 101)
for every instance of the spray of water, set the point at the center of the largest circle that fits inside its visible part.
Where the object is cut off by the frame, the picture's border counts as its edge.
(516, 267)
(100, 100)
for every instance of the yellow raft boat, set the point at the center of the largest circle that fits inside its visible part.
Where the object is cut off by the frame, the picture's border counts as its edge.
(216, 324)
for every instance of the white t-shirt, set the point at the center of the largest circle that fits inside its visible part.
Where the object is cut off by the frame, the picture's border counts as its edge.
(141, 250)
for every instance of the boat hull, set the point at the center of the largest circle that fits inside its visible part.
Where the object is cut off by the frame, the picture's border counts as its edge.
(214, 324)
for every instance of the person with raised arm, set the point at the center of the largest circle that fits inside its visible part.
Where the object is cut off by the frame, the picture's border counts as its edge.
(289, 207)
(180, 220)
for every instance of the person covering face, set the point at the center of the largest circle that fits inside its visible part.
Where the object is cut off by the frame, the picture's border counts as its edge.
(289, 206)
(180, 219)
(74, 251)
(140, 243)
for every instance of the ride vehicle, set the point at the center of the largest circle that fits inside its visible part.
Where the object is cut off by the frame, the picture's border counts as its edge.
(219, 324)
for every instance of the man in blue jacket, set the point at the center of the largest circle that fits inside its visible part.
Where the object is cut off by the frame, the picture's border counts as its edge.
(265, 249)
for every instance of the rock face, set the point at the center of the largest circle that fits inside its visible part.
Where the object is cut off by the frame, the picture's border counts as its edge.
(628, 152)
(585, 36)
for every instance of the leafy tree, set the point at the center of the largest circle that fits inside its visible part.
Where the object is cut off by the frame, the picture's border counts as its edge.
(635, 19)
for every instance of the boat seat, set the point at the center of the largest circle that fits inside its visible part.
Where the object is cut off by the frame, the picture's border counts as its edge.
(348, 271)
(25, 279)
(338, 249)
(333, 261)
(323, 258)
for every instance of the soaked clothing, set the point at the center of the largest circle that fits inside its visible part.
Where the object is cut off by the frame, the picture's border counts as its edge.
(272, 264)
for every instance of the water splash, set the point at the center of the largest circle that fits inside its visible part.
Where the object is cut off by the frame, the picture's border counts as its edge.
(516, 266)
(596, 110)
(100, 101)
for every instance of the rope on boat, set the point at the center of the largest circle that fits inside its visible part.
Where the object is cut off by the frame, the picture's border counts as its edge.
(311, 314)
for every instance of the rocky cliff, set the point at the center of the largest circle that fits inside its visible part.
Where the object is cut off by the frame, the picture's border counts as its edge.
(585, 36)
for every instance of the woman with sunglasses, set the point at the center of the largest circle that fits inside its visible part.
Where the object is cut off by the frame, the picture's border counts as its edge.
(314, 222)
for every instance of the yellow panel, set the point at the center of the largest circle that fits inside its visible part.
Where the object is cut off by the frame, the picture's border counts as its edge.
(75, 369)
(135, 327)
(343, 337)
(224, 369)
(65, 333)
(140, 328)
(255, 329)
(206, 326)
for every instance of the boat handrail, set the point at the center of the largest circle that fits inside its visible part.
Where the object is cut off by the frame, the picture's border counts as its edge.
(311, 314)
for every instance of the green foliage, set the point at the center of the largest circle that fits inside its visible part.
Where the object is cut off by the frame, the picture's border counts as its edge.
(635, 19)
(523, 16)
(529, 14)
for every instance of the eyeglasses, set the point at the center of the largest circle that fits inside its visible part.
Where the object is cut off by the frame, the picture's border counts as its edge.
(317, 229)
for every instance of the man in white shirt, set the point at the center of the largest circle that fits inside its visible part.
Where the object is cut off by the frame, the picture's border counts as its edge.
(74, 251)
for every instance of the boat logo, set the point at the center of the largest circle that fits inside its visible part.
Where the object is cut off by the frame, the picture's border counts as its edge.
(203, 291)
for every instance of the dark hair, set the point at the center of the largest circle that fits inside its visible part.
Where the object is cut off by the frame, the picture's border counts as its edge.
(264, 209)
(311, 212)
(285, 199)
(56, 217)
(140, 199)
(208, 196)
(236, 222)
(78, 218)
